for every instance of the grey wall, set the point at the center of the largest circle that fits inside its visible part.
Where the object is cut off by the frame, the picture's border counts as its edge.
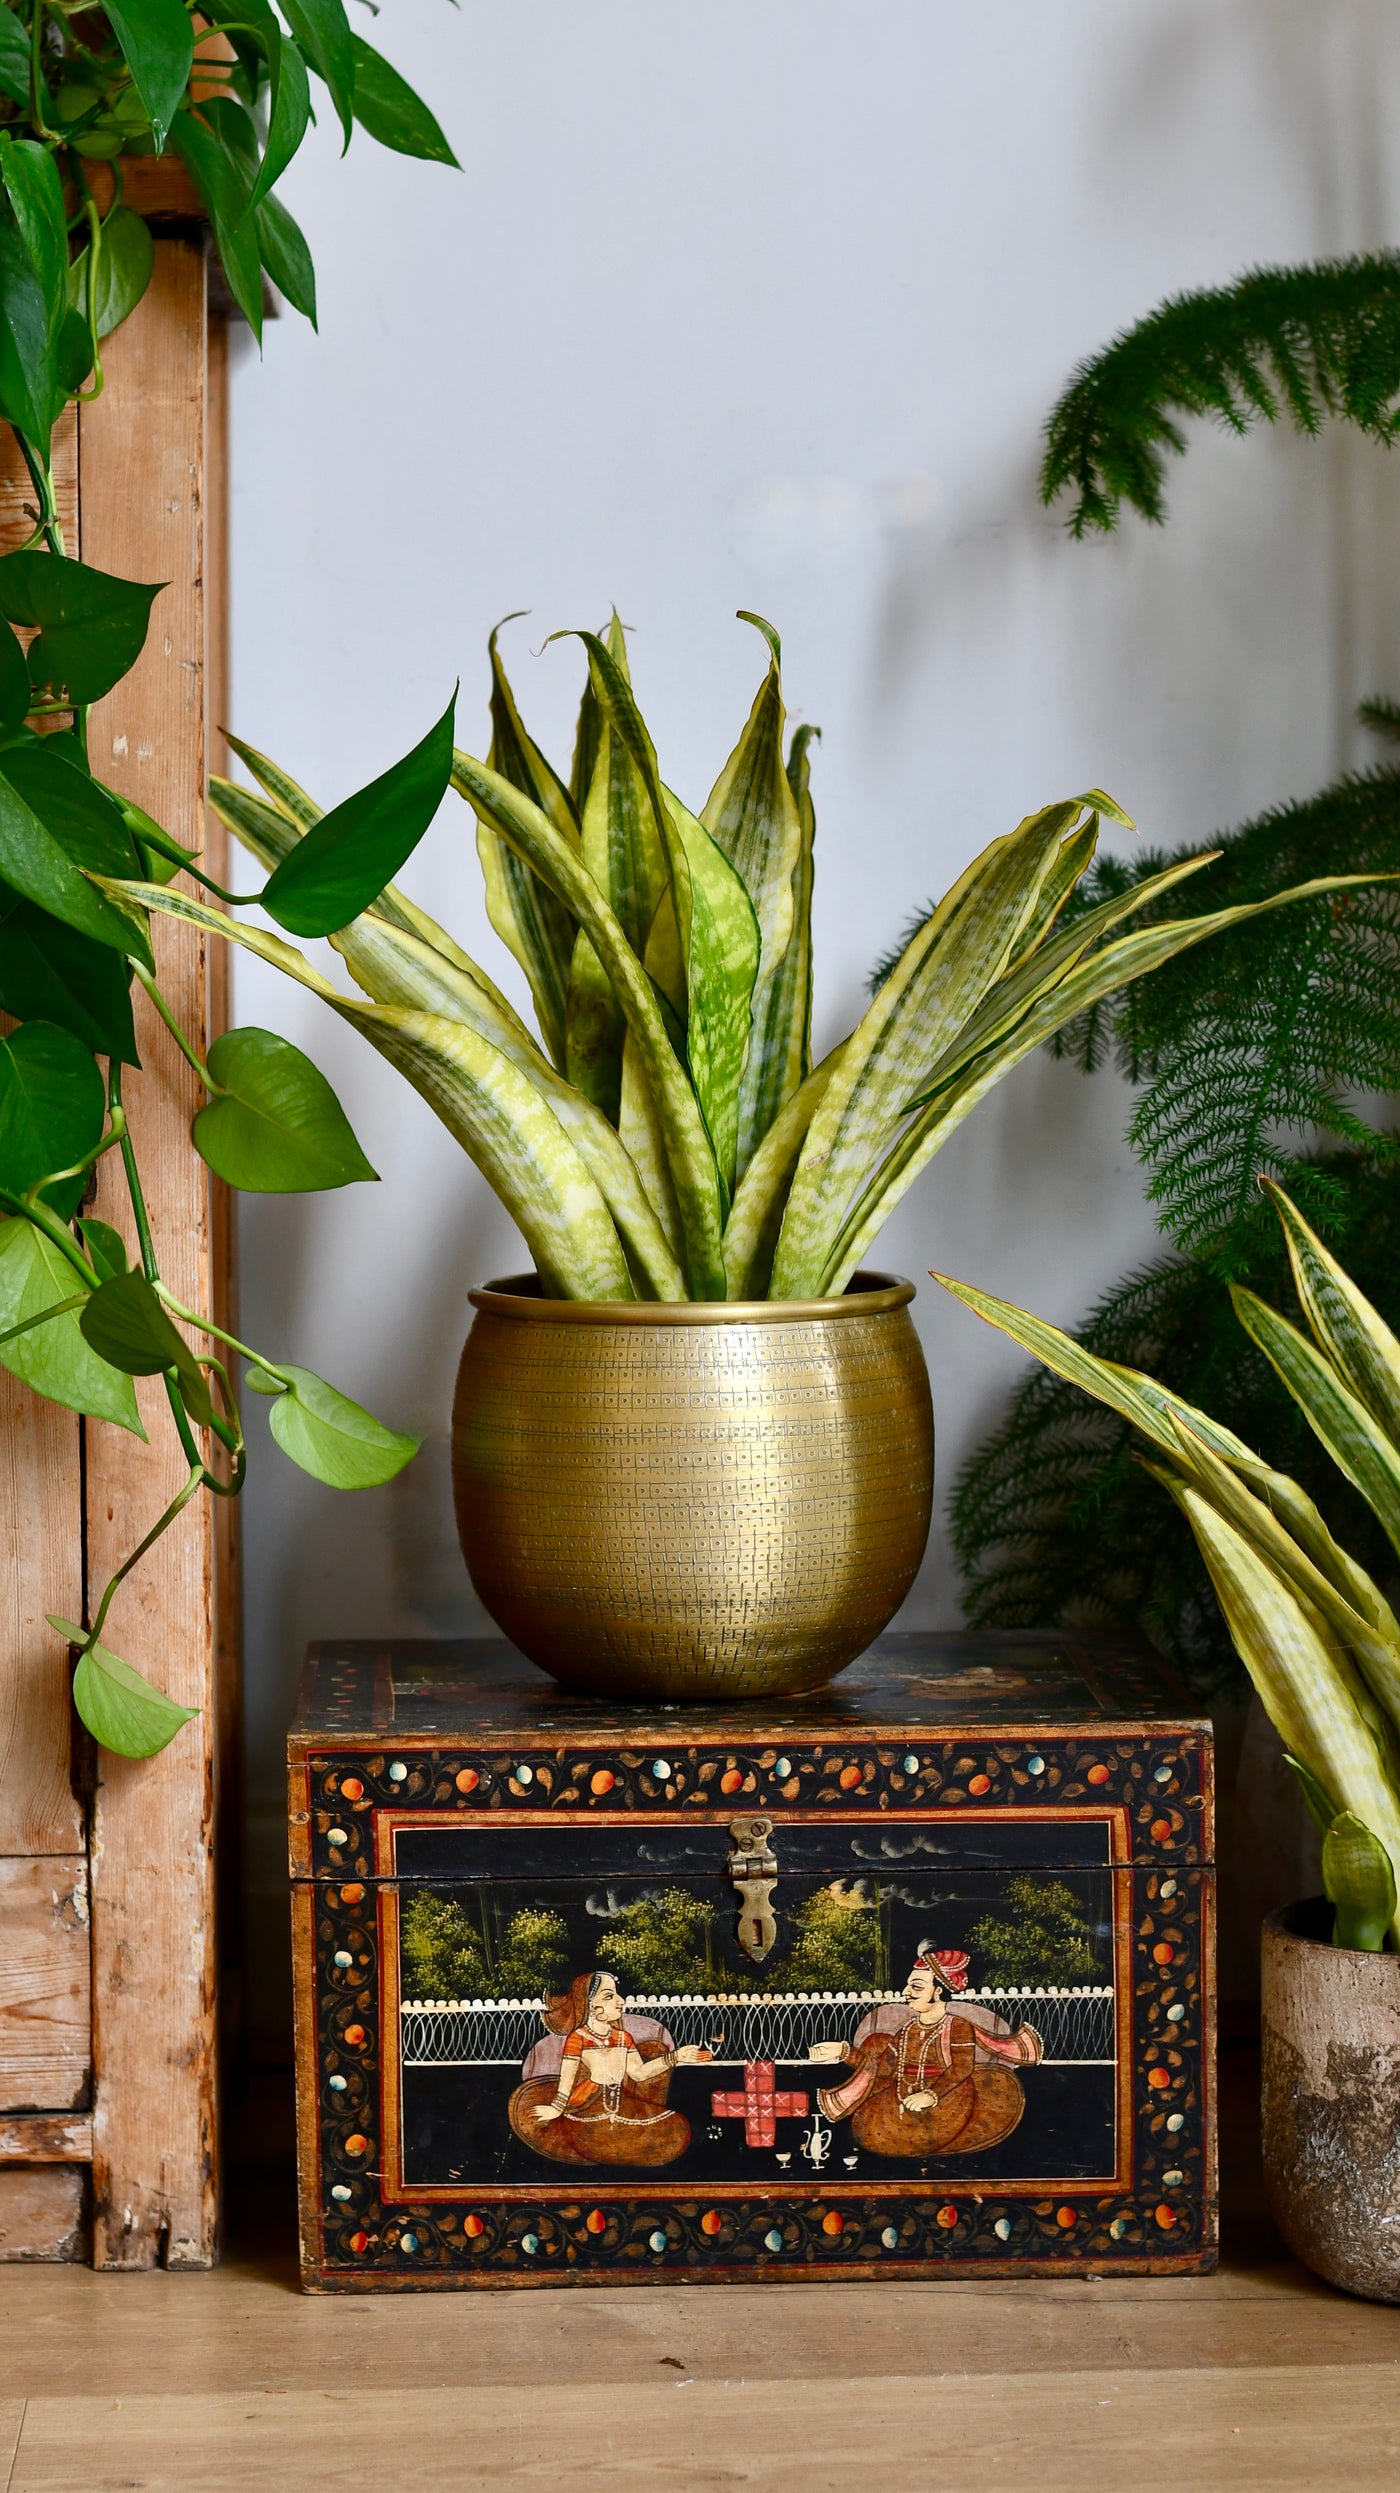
(762, 303)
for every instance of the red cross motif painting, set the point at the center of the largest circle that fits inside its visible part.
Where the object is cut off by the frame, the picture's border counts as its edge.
(761, 2106)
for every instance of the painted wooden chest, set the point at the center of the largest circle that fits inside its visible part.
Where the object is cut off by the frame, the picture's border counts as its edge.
(912, 1977)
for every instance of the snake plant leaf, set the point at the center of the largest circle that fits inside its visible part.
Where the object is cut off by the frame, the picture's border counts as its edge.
(1057, 1001)
(325, 1433)
(49, 973)
(276, 783)
(276, 1126)
(1322, 1809)
(595, 1031)
(1135, 1397)
(487, 1103)
(525, 913)
(1357, 1445)
(1296, 1675)
(756, 1214)
(52, 1111)
(118, 1705)
(692, 1162)
(1375, 1651)
(1358, 1879)
(640, 1134)
(1345, 1326)
(395, 966)
(125, 1323)
(720, 950)
(157, 41)
(1296, 1510)
(940, 979)
(344, 861)
(53, 1357)
(753, 815)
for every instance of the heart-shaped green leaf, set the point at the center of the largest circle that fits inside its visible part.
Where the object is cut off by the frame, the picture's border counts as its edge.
(106, 1247)
(52, 1109)
(47, 771)
(92, 626)
(26, 354)
(325, 1432)
(49, 973)
(157, 40)
(387, 107)
(125, 1323)
(14, 59)
(34, 863)
(120, 1708)
(124, 265)
(346, 859)
(35, 193)
(279, 1128)
(53, 1357)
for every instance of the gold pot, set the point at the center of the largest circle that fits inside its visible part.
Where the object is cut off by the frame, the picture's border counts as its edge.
(693, 1501)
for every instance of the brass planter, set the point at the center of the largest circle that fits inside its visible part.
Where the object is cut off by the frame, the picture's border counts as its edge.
(693, 1501)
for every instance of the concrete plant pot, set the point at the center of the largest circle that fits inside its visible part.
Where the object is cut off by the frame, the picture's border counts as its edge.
(1331, 2101)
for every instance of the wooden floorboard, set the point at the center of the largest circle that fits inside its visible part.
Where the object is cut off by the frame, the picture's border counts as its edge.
(1258, 2378)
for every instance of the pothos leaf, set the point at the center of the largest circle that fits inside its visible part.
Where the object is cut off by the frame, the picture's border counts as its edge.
(327, 1434)
(120, 1708)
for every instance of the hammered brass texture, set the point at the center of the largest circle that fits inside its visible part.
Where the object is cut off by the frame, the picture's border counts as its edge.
(693, 1502)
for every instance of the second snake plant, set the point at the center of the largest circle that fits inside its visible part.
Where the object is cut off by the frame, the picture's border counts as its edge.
(664, 1133)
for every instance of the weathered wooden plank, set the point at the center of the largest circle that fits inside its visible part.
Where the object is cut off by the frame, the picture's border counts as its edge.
(45, 1983)
(45, 2138)
(1059, 2430)
(142, 460)
(42, 2211)
(40, 1478)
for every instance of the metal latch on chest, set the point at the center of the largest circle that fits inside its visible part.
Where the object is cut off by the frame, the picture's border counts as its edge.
(753, 1867)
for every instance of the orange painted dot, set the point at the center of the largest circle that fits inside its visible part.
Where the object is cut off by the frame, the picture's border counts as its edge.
(1165, 2216)
(1160, 1829)
(357, 2143)
(473, 2227)
(1158, 2078)
(602, 1781)
(1163, 1953)
(354, 2036)
(1097, 1774)
(711, 2221)
(352, 1894)
(731, 1779)
(848, 1778)
(595, 2221)
(832, 2221)
(468, 1779)
(352, 1789)
(1065, 2218)
(947, 2217)
(980, 1784)
(359, 2242)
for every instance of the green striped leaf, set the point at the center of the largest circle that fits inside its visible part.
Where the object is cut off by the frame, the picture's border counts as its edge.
(756, 1216)
(1357, 1877)
(691, 1160)
(525, 913)
(1296, 1675)
(753, 814)
(719, 941)
(493, 1108)
(1357, 1445)
(912, 1020)
(1345, 1325)
(942, 1110)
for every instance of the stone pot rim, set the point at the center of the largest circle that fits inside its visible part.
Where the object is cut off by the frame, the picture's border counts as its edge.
(1290, 1922)
(521, 1297)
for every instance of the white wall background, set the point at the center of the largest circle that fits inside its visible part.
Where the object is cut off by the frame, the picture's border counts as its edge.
(762, 303)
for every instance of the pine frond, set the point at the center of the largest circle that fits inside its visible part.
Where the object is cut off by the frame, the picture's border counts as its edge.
(1055, 1521)
(1384, 716)
(1247, 1046)
(1303, 342)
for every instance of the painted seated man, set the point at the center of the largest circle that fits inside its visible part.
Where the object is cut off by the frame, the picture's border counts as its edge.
(607, 2104)
(932, 2082)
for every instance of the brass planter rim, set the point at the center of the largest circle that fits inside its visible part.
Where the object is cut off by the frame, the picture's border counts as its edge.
(520, 1296)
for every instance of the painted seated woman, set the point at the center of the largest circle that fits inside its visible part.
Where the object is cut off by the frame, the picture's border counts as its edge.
(607, 2104)
(931, 2082)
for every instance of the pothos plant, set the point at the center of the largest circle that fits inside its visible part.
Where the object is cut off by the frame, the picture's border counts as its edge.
(1316, 1634)
(229, 89)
